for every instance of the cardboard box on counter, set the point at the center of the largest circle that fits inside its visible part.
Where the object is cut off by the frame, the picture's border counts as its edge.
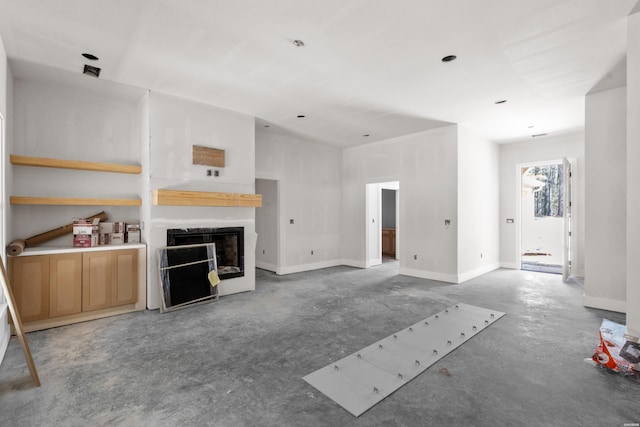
(117, 238)
(85, 240)
(133, 236)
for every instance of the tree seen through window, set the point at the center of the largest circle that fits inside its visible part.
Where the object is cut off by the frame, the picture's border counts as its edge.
(548, 199)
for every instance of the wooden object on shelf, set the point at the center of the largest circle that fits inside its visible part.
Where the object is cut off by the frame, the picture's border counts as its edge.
(207, 156)
(17, 323)
(61, 231)
(74, 164)
(72, 201)
(204, 198)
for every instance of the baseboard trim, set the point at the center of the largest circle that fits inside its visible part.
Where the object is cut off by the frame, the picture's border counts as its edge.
(266, 266)
(373, 262)
(605, 304)
(354, 263)
(477, 272)
(510, 265)
(422, 274)
(308, 267)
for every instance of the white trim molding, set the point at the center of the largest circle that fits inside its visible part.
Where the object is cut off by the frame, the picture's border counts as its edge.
(605, 304)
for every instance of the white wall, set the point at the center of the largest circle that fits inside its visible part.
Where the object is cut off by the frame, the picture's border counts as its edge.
(633, 174)
(71, 117)
(310, 176)
(175, 125)
(425, 164)
(267, 225)
(478, 205)
(570, 146)
(606, 200)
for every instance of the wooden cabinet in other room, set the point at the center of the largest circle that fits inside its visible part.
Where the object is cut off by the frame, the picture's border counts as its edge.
(389, 242)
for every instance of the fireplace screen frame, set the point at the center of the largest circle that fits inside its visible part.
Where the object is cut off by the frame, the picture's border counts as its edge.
(184, 279)
(175, 237)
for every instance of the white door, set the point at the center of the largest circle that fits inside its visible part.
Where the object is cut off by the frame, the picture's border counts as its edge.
(566, 197)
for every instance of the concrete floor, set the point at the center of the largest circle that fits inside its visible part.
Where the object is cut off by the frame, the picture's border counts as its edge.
(240, 361)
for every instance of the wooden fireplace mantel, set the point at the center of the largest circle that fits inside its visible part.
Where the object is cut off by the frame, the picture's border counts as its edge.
(162, 197)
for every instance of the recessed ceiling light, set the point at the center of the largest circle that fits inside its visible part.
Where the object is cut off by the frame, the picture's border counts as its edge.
(531, 127)
(366, 134)
(92, 71)
(266, 126)
(502, 101)
(298, 43)
(449, 58)
(538, 134)
(90, 56)
(301, 116)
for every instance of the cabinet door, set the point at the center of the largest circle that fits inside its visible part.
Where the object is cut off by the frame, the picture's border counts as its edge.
(97, 280)
(125, 274)
(30, 285)
(65, 284)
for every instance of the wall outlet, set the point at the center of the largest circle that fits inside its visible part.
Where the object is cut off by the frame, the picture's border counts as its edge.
(447, 222)
(480, 254)
(291, 221)
(263, 252)
(415, 257)
(312, 252)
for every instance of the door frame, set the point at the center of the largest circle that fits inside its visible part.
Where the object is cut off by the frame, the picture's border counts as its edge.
(373, 215)
(280, 220)
(518, 214)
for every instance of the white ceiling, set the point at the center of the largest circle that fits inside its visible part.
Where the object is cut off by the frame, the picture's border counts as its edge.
(368, 66)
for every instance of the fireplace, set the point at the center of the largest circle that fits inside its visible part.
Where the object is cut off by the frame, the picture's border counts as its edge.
(229, 243)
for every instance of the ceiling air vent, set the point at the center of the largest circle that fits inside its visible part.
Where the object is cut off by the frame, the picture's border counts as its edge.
(91, 71)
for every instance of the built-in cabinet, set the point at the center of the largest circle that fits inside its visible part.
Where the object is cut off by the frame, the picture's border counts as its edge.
(109, 278)
(52, 289)
(65, 284)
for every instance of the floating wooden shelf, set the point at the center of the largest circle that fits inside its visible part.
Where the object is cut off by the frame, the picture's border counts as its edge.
(72, 201)
(74, 164)
(204, 198)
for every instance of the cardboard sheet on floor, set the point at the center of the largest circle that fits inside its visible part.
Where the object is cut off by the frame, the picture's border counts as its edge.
(362, 379)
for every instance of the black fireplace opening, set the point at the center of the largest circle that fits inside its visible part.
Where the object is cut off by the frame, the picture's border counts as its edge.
(229, 243)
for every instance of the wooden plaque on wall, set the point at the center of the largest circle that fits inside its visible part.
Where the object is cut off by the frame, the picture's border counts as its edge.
(208, 156)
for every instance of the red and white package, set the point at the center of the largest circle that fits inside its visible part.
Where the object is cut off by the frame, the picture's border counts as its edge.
(615, 351)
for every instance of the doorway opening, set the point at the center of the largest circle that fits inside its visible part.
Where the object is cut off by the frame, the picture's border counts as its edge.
(383, 222)
(268, 246)
(545, 212)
